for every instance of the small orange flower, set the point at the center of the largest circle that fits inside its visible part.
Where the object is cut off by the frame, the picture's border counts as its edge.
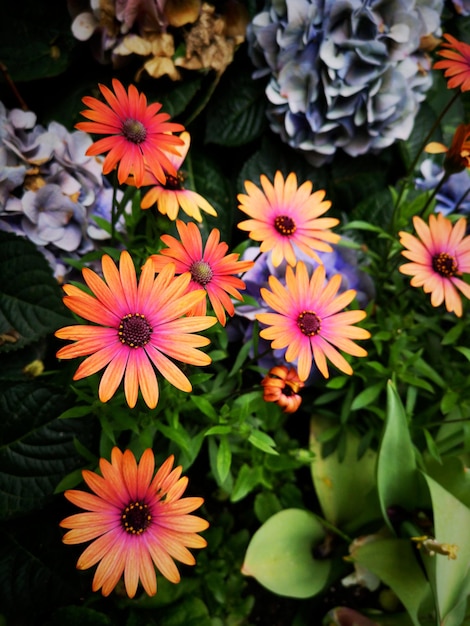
(456, 63)
(171, 195)
(135, 325)
(458, 155)
(281, 385)
(309, 320)
(210, 268)
(285, 217)
(136, 521)
(439, 256)
(137, 133)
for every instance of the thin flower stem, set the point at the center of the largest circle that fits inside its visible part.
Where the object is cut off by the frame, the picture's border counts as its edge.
(461, 199)
(423, 145)
(426, 210)
(114, 208)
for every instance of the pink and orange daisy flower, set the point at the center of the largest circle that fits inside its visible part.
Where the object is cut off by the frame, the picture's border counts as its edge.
(171, 195)
(309, 320)
(281, 385)
(135, 326)
(285, 216)
(456, 63)
(209, 268)
(439, 256)
(137, 133)
(136, 521)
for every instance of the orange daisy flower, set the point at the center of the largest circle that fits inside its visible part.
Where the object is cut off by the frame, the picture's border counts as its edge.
(208, 267)
(281, 386)
(456, 63)
(458, 155)
(139, 325)
(136, 522)
(137, 133)
(171, 195)
(307, 320)
(285, 216)
(439, 256)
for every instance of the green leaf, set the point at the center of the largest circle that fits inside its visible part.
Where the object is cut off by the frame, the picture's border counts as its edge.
(177, 98)
(46, 39)
(248, 478)
(397, 477)
(224, 458)
(208, 179)
(35, 577)
(262, 441)
(36, 448)
(394, 562)
(451, 576)
(336, 480)
(236, 111)
(30, 298)
(204, 406)
(367, 396)
(279, 555)
(78, 616)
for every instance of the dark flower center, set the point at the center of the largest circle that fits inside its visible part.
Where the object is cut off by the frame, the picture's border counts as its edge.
(134, 330)
(309, 323)
(174, 183)
(134, 131)
(135, 518)
(285, 225)
(444, 264)
(201, 272)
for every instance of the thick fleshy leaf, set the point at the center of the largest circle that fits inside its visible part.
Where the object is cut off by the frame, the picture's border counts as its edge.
(397, 476)
(36, 449)
(451, 576)
(335, 480)
(30, 298)
(394, 562)
(280, 557)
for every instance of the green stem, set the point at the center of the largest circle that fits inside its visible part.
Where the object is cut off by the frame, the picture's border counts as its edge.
(423, 145)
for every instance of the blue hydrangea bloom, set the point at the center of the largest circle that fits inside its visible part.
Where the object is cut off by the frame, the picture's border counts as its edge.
(343, 74)
(50, 191)
(454, 195)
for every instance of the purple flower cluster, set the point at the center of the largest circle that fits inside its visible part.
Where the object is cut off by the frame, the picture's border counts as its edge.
(50, 192)
(343, 74)
(342, 260)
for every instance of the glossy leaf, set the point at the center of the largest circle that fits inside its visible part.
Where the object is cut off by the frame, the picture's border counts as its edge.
(30, 298)
(37, 449)
(237, 111)
(280, 557)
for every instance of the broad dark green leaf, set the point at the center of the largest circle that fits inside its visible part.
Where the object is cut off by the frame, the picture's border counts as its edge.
(37, 572)
(30, 298)
(177, 98)
(36, 449)
(36, 39)
(209, 180)
(236, 111)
